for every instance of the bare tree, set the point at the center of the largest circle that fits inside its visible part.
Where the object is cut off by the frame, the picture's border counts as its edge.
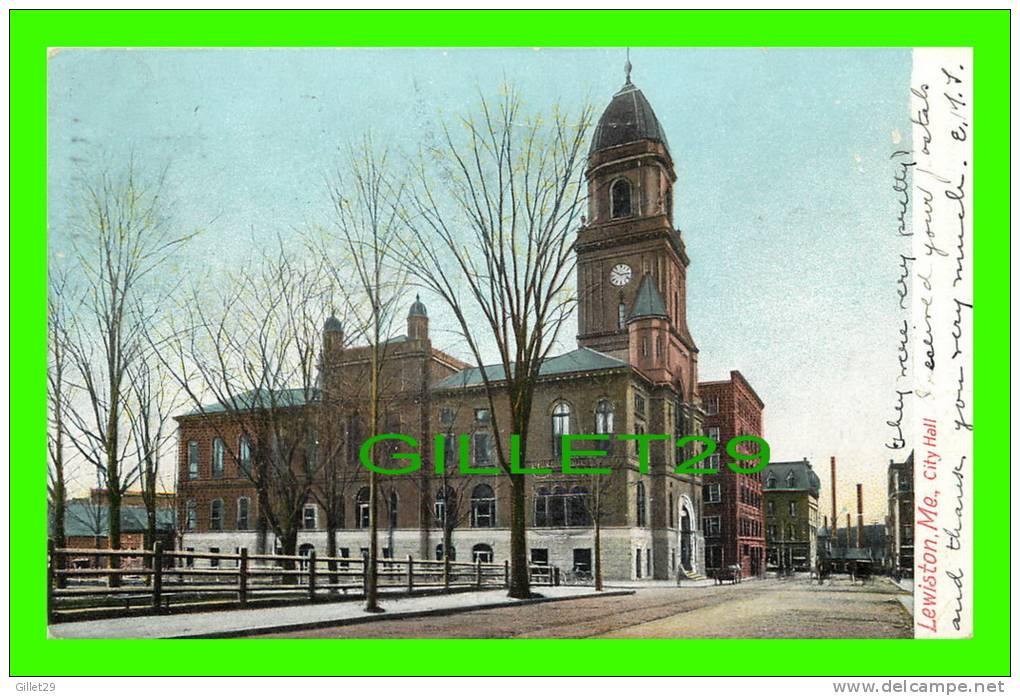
(490, 231)
(366, 222)
(248, 357)
(121, 236)
(58, 398)
(154, 397)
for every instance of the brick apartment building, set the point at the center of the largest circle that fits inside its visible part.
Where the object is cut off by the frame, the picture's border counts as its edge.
(634, 371)
(734, 517)
(791, 515)
(900, 519)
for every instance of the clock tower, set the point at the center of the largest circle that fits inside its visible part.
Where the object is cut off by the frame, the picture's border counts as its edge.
(631, 262)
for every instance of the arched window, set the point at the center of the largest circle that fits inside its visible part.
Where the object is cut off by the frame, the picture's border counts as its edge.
(577, 507)
(770, 482)
(483, 506)
(244, 455)
(192, 460)
(672, 516)
(393, 509)
(218, 451)
(445, 508)
(243, 512)
(620, 195)
(560, 426)
(641, 504)
(361, 507)
(542, 507)
(481, 553)
(439, 552)
(604, 417)
(216, 515)
(621, 315)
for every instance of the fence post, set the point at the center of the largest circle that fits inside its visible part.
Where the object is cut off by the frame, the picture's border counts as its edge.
(410, 574)
(478, 572)
(50, 561)
(506, 573)
(157, 574)
(311, 574)
(556, 576)
(242, 578)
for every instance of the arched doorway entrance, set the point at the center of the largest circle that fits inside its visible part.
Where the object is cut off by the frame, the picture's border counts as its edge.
(685, 540)
(686, 532)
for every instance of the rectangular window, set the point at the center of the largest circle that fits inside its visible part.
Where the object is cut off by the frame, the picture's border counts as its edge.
(648, 562)
(712, 406)
(483, 450)
(446, 416)
(310, 518)
(191, 516)
(539, 556)
(639, 405)
(192, 460)
(713, 461)
(243, 506)
(793, 508)
(770, 507)
(582, 561)
(713, 434)
(189, 561)
(712, 493)
(711, 525)
(713, 557)
(214, 562)
(216, 515)
(637, 563)
(344, 552)
(481, 415)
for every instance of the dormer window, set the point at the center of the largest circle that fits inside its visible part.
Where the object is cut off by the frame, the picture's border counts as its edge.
(619, 195)
(790, 479)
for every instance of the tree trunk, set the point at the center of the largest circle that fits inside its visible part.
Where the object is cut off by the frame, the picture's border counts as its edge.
(113, 518)
(598, 553)
(520, 586)
(288, 543)
(59, 539)
(150, 535)
(331, 529)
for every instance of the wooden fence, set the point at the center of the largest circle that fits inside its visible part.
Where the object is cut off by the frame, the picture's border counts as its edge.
(137, 579)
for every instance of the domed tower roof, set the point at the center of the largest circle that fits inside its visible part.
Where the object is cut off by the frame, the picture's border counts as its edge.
(332, 324)
(417, 309)
(629, 117)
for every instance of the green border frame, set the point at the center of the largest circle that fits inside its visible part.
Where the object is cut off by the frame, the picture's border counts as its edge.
(32, 31)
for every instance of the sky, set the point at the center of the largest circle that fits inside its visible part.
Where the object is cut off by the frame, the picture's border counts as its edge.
(783, 196)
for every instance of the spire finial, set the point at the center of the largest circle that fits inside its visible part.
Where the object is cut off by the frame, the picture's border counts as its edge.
(627, 67)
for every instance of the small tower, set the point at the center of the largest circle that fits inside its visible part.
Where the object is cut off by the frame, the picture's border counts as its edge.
(418, 321)
(332, 336)
(648, 331)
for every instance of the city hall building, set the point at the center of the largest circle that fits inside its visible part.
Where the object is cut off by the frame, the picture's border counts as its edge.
(634, 371)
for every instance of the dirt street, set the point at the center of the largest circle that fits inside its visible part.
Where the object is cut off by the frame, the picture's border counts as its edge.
(789, 608)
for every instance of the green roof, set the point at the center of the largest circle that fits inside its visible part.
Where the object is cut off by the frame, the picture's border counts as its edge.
(649, 302)
(262, 398)
(580, 360)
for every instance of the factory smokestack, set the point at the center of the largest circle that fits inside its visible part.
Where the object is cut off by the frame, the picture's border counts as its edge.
(860, 516)
(832, 465)
(849, 530)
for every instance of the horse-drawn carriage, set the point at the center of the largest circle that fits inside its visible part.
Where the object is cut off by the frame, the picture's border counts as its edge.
(731, 573)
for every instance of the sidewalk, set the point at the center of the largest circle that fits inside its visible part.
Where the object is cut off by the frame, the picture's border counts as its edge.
(243, 622)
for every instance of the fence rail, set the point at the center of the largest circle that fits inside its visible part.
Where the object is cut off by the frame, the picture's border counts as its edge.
(242, 577)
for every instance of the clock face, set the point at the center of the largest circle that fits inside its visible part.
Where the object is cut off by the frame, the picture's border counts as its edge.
(620, 275)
